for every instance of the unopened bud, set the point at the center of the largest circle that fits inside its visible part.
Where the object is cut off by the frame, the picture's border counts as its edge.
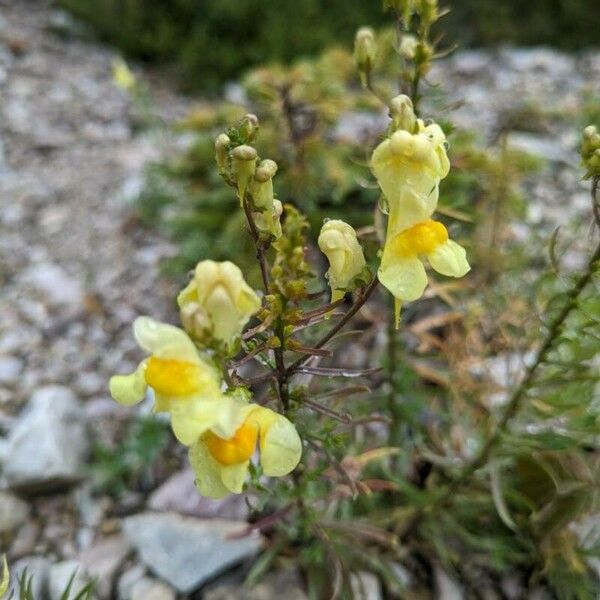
(408, 47)
(590, 151)
(266, 170)
(244, 165)
(402, 113)
(364, 51)
(221, 146)
(248, 127)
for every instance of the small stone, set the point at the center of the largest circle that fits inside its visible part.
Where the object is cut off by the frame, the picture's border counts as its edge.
(128, 579)
(10, 369)
(151, 589)
(54, 284)
(13, 512)
(179, 494)
(102, 562)
(25, 539)
(365, 586)
(48, 444)
(36, 569)
(446, 588)
(279, 584)
(188, 552)
(60, 575)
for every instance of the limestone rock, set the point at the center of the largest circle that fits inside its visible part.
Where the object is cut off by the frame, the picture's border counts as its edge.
(47, 446)
(188, 552)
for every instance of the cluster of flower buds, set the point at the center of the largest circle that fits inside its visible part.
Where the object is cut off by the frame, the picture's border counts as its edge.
(240, 166)
(590, 152)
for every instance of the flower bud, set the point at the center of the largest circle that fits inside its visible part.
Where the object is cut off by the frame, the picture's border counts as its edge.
(403, 7)
(590, 151)
(217, 303)
(364, 51)
(248, 127)
(261, 187)
(338, 242)
(244, 165)
(428, 11)
(402, 113)
(221, 146)
(268, 221)
(408, 46)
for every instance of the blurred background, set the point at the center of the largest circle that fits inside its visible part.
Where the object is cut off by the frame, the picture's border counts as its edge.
(108, 195)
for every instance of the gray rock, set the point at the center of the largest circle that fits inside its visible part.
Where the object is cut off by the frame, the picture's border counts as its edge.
(365, 586)
(33, 568)
(48, 444)
(151, 589)
(179, 494)
(128, 579)
(446, 588)
(187, 552)
(13, 512)
(102, 562)
(54, 284)
(10, 369)
(60, 575)
(546, 147)
(279, 584)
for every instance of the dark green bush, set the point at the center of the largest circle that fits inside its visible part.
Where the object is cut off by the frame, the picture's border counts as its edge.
(213, 40)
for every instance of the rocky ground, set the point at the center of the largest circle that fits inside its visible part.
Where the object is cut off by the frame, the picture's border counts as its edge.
(76, 268)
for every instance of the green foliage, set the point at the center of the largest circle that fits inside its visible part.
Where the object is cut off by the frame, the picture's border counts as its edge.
(564, 23)
(214, 40)
(117, 469)
(25, 583)
(217, 39)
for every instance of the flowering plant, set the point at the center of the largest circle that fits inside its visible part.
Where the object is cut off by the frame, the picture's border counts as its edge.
(250, 380)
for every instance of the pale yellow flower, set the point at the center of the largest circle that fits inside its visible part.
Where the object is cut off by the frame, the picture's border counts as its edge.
(269, 221)
(221, 456)
(402, 271)
(217, 303)
(123, 76)
(338, 242)
(184, 383)
(408, 168)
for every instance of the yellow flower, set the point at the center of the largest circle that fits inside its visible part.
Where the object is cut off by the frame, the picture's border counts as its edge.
(123, 76)
(402, 271)
(409, 168)
(221, 456)
(217, 303)
(338, 242)
(268, 222)
(185, 385)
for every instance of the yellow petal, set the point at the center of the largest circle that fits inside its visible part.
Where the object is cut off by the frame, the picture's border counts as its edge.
(233, 477)
(129, 389)
(449, 259)
(207, 471)
(280, 444)
(412, 206)
(163, 340)
(405, 278)
(188, 294)
(191, 417)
